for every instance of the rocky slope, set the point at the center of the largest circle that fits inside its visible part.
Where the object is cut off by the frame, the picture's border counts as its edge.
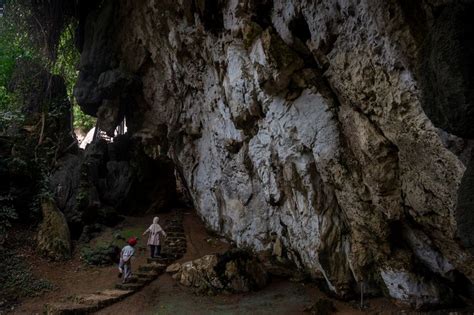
(306, 120)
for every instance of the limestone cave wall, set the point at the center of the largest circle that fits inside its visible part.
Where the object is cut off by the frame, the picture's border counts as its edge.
(341, 126)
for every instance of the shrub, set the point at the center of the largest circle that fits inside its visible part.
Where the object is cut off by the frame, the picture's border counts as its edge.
(100, 255)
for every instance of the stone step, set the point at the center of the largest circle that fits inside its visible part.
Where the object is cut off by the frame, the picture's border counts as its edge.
(175, 250)
(148, 274)
(152, 267)
(175, 232)
(120, 294)
(97, 299)
(172, 230)
(182, 245)
(139, 280)
(129, 286)
(172, 249)
(174, 245)
(151, 273)
(160, 260)
(71, 308)
(180, 254)
(175, 240)
(172, 254)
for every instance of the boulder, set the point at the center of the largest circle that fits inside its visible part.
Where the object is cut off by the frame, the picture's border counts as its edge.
(54, 241)
(234, 271)
(173, 268)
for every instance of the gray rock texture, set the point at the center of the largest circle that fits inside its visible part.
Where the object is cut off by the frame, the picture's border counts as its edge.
(233, 271)
(308, 120)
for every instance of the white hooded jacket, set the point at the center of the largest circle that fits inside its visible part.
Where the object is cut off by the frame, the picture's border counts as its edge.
(155, 230)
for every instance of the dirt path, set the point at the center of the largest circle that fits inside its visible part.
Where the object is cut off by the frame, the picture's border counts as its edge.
(165, 296)
(74, 277)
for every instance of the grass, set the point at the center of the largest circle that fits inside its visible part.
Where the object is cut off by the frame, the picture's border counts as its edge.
(127, 233)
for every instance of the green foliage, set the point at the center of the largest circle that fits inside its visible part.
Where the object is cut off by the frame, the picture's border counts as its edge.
(17, 279)
(67, 58)
(101, 254)
(34, 137)
(81, 120)
(14, 44)
(66, 66)
(127, 233)
(33, 153)
(105, 251)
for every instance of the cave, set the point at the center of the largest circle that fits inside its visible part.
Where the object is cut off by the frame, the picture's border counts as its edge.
(266, 141)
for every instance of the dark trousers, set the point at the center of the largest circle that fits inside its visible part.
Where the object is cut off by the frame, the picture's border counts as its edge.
(155, 250)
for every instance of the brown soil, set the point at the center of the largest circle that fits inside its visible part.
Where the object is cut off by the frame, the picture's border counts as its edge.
(165, 296)
(74, 276)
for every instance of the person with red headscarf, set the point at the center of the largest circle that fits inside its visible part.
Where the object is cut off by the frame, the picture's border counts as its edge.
(125, 264)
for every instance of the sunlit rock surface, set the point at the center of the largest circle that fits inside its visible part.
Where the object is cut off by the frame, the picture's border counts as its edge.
(305, 119)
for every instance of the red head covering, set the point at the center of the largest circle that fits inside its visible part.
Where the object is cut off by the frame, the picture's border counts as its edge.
(132, 241)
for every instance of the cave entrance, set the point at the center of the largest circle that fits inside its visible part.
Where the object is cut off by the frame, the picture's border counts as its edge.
(96, 133)
(120, 130)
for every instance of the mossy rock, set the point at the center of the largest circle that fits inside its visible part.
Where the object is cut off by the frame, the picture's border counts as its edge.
(54, 240)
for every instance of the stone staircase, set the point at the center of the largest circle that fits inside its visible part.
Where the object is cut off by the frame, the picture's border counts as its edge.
(174, 248)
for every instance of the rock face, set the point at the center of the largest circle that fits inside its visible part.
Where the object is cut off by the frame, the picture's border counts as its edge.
(306, 120)
(54, 240)
(234, 271)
